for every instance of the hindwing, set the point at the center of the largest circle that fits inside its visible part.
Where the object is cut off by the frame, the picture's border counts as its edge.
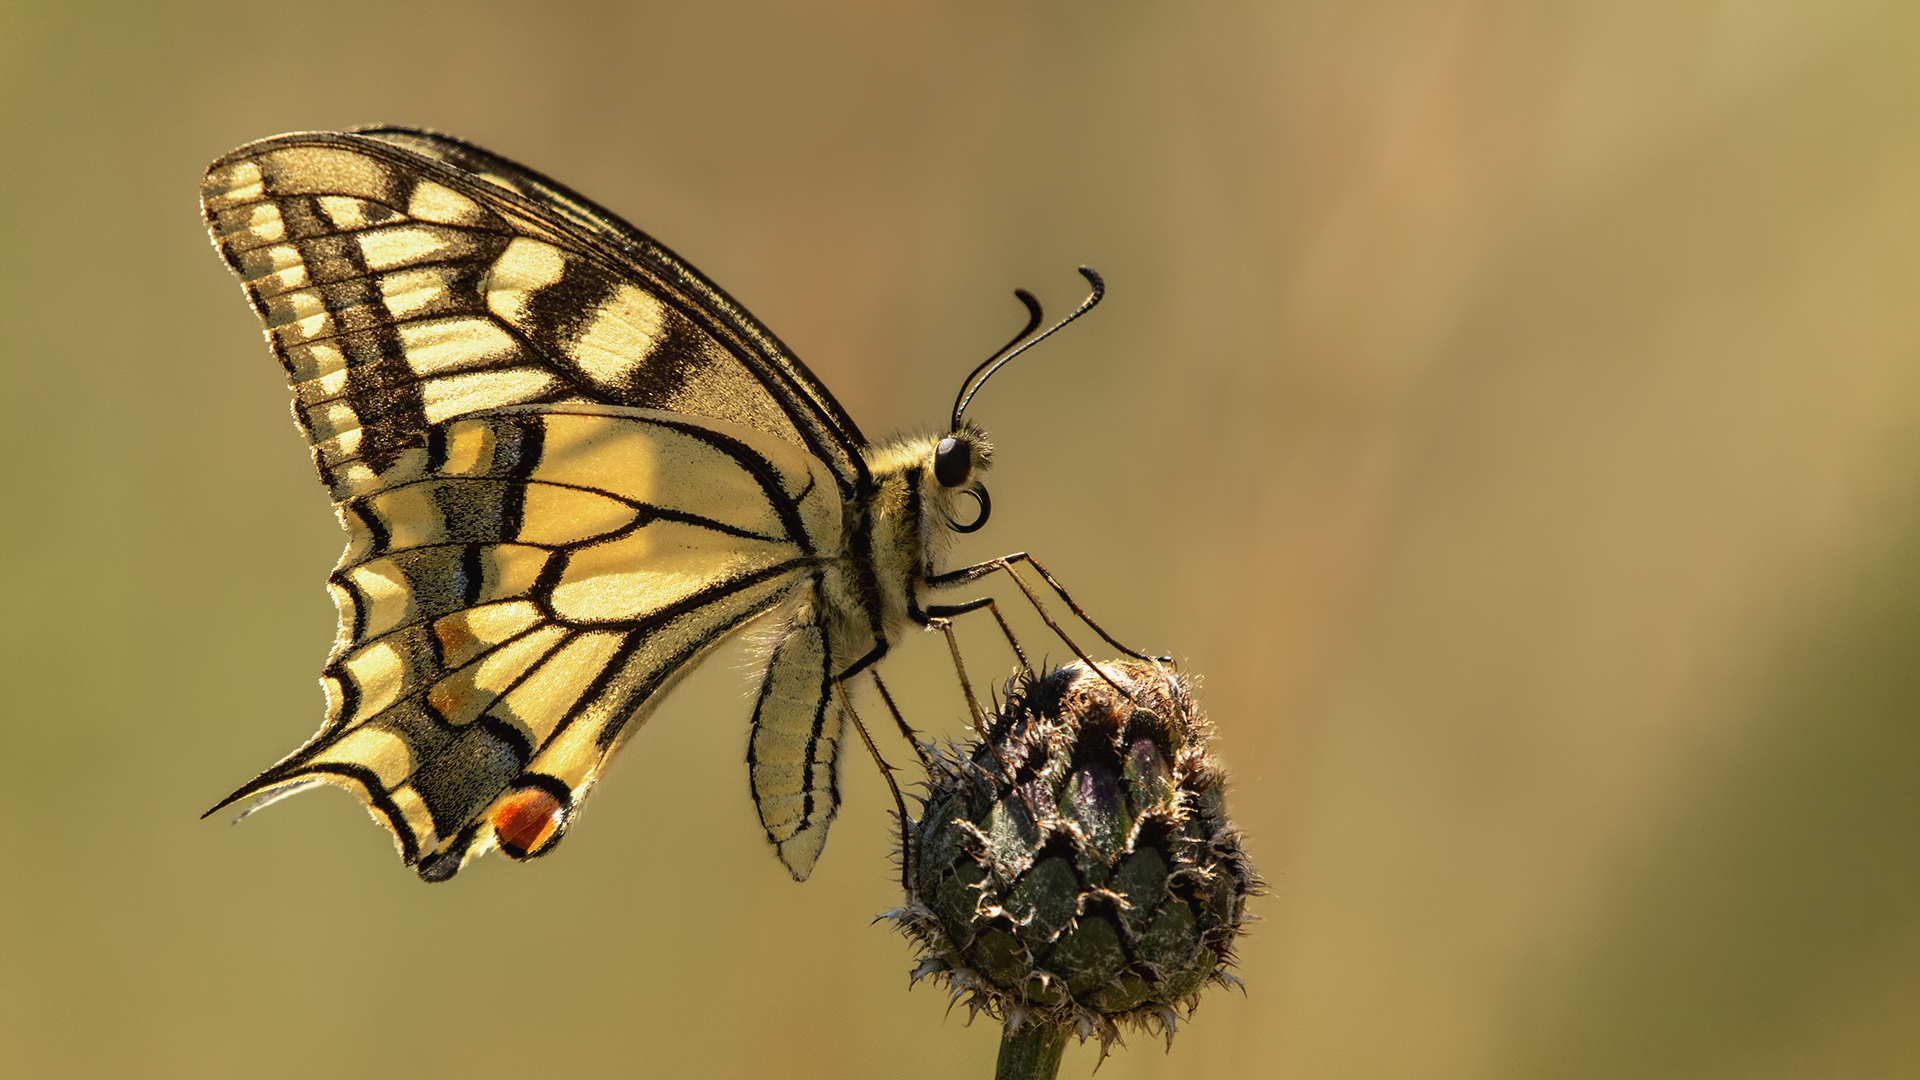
(793, 753)
(517, 594)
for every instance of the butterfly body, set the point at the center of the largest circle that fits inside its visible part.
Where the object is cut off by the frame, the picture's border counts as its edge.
(569, 468)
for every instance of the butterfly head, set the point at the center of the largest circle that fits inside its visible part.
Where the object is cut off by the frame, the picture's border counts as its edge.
(955, 467)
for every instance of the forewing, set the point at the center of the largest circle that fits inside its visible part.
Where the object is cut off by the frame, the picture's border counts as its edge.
(517, 594)
(774, 360)
(407, 279)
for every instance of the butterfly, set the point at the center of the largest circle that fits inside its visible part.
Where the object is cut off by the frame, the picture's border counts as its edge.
(569, 468)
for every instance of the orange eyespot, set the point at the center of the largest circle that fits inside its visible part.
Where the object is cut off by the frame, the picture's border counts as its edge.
(527, 820)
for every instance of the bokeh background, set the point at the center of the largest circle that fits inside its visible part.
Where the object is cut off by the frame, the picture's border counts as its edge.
(1512, 411)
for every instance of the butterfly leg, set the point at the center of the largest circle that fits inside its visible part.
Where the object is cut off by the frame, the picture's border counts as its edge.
(968, 574)
(941, 613)
(987, 602)
(980, 570)
(906, 730)
(974, 710)
(940, 617)
(886, 773)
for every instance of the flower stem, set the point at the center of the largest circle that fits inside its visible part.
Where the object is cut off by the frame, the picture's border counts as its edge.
(1033, 1053)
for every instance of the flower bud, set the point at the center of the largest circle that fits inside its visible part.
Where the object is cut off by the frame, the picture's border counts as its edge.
(1074, 866)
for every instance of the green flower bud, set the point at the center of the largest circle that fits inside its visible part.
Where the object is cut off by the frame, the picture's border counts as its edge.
(1075, 866)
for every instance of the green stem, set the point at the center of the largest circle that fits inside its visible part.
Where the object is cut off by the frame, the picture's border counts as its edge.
(1033, 1053)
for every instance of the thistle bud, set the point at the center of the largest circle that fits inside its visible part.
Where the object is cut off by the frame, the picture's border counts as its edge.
(1074, 866)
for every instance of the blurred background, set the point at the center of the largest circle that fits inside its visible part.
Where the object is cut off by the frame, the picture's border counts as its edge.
(1511, 411)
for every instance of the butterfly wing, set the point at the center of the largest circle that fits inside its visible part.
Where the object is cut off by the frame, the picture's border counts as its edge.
(427, 298)
(837, 439)
(516, 596)
(793, 753)
(400, 290)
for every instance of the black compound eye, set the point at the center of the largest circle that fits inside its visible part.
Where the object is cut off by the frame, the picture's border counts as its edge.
(952, 461)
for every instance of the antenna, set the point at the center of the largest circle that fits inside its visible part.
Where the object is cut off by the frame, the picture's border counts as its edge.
(981, 374)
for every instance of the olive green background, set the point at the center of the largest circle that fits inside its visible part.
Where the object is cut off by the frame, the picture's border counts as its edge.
(1512, 411)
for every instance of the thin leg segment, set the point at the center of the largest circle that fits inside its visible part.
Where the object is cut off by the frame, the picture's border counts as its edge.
(948, 611)
(973, 573)
(907, 858)
(980, 570)
(966, 685)
(906, 730)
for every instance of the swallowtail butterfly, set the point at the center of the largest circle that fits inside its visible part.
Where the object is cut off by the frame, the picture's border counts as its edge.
(569, 468)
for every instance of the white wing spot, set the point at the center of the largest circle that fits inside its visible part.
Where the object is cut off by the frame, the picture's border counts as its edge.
(294, 307)
(311, 361)
(410, 292)
(302, 330)
(352, 478)
(526, 267)
(265, 224)
(385, 249)
(238, 182)
(452, 344)
(293, 277)
(622, 333)
(332, 419)
(500, 182)
(457, 395)
(270, 259)
(436, 203)
(341, 446)
(344, 212)
(330, 385)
